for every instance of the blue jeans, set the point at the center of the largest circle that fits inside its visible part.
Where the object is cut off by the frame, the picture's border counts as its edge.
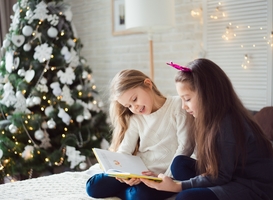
(184, 168)
(103, 186)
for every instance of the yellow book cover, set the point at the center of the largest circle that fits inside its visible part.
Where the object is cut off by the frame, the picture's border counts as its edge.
(121, 165)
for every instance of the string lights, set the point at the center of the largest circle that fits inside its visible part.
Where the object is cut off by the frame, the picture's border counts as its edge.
(229, 33)
(196, 12)
(218, 12)
(246, 61)
(233, 31)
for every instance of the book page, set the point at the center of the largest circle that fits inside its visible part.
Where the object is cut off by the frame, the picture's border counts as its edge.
(121, 165)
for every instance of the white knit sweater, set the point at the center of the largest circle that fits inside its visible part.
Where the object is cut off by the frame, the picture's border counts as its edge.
(162, 136)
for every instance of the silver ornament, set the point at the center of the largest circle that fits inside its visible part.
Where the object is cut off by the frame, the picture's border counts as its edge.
(27, 47)
(52, 32)
(51, 123)
(83, 165)
(39, 134)
(6, 43)
(27, 30)
(13, 128)
(79, 118)
(79, 87)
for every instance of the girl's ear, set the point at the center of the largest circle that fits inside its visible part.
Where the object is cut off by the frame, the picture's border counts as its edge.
(148, 83)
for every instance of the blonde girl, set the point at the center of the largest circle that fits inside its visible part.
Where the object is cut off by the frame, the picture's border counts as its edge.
(147, 124)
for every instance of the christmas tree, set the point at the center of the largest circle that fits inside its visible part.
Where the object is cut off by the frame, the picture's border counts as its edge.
(51, 114)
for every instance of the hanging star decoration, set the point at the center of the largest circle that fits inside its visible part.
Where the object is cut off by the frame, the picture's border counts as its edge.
(37, 34)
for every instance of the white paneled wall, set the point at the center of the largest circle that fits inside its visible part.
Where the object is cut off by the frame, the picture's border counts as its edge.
(235, 30)
(108, 54)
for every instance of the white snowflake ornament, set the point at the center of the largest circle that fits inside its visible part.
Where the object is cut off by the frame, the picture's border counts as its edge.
(42, 52)
(74, 156)
(66, 77)
(53, 19)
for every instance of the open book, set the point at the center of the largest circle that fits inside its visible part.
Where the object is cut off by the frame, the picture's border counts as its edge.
(121, 165)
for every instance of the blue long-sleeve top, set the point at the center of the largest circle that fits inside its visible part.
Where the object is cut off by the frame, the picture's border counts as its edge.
(251, 181)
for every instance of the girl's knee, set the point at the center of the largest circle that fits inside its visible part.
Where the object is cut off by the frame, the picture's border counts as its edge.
(89, 186)
(92, 186)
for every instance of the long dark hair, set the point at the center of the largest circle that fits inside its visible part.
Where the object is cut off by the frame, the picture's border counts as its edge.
(216, 98)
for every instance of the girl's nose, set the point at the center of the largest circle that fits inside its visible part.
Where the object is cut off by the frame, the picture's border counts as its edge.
(135, 107)
(184, 106)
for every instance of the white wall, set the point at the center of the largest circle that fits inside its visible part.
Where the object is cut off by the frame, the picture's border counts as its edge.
(108, 54)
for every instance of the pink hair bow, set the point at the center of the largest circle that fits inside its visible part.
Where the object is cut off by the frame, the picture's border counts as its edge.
(176, 66)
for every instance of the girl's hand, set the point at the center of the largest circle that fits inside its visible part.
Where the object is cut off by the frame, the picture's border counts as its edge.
(167, 184)
(131, 181)
(149, 173)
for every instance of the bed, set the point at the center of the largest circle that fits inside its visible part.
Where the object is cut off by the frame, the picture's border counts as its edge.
(63, 186)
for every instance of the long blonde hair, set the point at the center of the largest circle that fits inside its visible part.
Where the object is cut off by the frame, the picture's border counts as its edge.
(120, 115)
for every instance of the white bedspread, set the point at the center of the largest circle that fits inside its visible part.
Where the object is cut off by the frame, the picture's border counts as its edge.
(63, 186)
